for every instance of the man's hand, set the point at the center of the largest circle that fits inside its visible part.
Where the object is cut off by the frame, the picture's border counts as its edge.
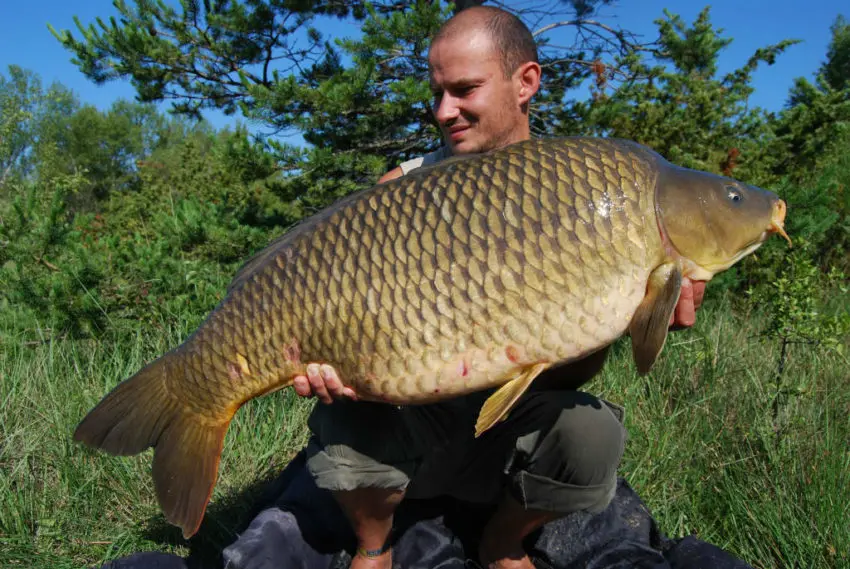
(322, 381)
(689, 301)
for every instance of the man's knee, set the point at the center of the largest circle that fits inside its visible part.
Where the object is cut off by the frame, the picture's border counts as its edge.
(572, 464)
(359, 445)
(584, 445)
(340, 468)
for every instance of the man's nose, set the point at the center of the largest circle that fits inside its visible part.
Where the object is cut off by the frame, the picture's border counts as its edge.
(447, 110)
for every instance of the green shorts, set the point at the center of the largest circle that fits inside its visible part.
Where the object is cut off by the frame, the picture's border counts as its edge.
(557, 451)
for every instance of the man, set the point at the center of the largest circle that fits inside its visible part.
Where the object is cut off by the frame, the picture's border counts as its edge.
(559, 449)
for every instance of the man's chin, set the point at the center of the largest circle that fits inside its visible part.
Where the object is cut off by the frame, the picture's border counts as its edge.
(465, 147)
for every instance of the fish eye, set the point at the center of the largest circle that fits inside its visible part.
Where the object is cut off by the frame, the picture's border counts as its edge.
(734, 194)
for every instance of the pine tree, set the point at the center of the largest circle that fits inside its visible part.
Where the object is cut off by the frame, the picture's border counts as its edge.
(816, 121)
(360, 104)
(836, 69)
(679, 105)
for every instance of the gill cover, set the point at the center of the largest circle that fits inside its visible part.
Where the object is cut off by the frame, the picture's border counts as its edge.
(713, 221)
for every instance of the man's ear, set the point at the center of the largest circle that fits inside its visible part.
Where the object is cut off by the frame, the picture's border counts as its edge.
(527, 78)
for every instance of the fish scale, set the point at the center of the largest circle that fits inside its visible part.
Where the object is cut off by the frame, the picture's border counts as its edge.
(478, 272)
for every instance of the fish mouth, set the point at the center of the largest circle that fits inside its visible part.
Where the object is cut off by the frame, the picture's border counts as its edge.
(751, 248)
(706, 272)
(777, 226)
(777, 222)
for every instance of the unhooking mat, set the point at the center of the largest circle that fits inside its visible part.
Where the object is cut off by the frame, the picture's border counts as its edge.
(304, 529)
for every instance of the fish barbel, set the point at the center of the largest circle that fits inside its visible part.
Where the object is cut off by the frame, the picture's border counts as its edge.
(481, 271)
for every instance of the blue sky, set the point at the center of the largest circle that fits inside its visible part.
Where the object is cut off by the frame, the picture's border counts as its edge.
(26, 41)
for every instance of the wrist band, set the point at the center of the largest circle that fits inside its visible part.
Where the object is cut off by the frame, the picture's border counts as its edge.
(372, 553)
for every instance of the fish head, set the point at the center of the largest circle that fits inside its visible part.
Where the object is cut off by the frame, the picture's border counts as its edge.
(712, 221)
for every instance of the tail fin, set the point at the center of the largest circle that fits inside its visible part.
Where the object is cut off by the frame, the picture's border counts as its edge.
(140, 413)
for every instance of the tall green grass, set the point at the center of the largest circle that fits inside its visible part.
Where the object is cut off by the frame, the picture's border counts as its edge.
(713, 455)
(62, 505)
(709, 452)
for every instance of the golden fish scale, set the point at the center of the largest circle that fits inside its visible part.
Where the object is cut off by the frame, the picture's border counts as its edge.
(442, 282)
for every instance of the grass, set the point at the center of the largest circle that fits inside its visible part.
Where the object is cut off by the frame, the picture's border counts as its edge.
(707, 452)
(710, 456)
(62, 505)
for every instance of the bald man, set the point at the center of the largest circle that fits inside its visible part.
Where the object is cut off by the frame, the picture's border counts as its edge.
(559, 449)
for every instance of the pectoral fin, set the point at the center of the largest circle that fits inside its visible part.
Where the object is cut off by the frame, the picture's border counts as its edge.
(500, 403)
(651, 321)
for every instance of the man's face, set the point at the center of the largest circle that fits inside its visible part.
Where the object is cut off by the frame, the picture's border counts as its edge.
(476, 106)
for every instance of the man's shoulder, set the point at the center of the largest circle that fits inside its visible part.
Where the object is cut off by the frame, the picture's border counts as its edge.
(425, 160)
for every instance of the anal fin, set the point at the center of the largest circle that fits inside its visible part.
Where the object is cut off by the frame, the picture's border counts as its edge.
(651, 320)
(498, 405)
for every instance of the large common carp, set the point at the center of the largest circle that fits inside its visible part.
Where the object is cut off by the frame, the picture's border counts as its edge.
(481, 271)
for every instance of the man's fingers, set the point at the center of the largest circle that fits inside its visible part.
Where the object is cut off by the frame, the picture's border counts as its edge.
(685, 313)
(699, 293)
(331, 381)
(302, 386)
(317, 383)
(334, 384)
(684, 316)
(321, 381)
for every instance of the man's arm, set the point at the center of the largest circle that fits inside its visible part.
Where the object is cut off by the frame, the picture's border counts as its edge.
(391, 175)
